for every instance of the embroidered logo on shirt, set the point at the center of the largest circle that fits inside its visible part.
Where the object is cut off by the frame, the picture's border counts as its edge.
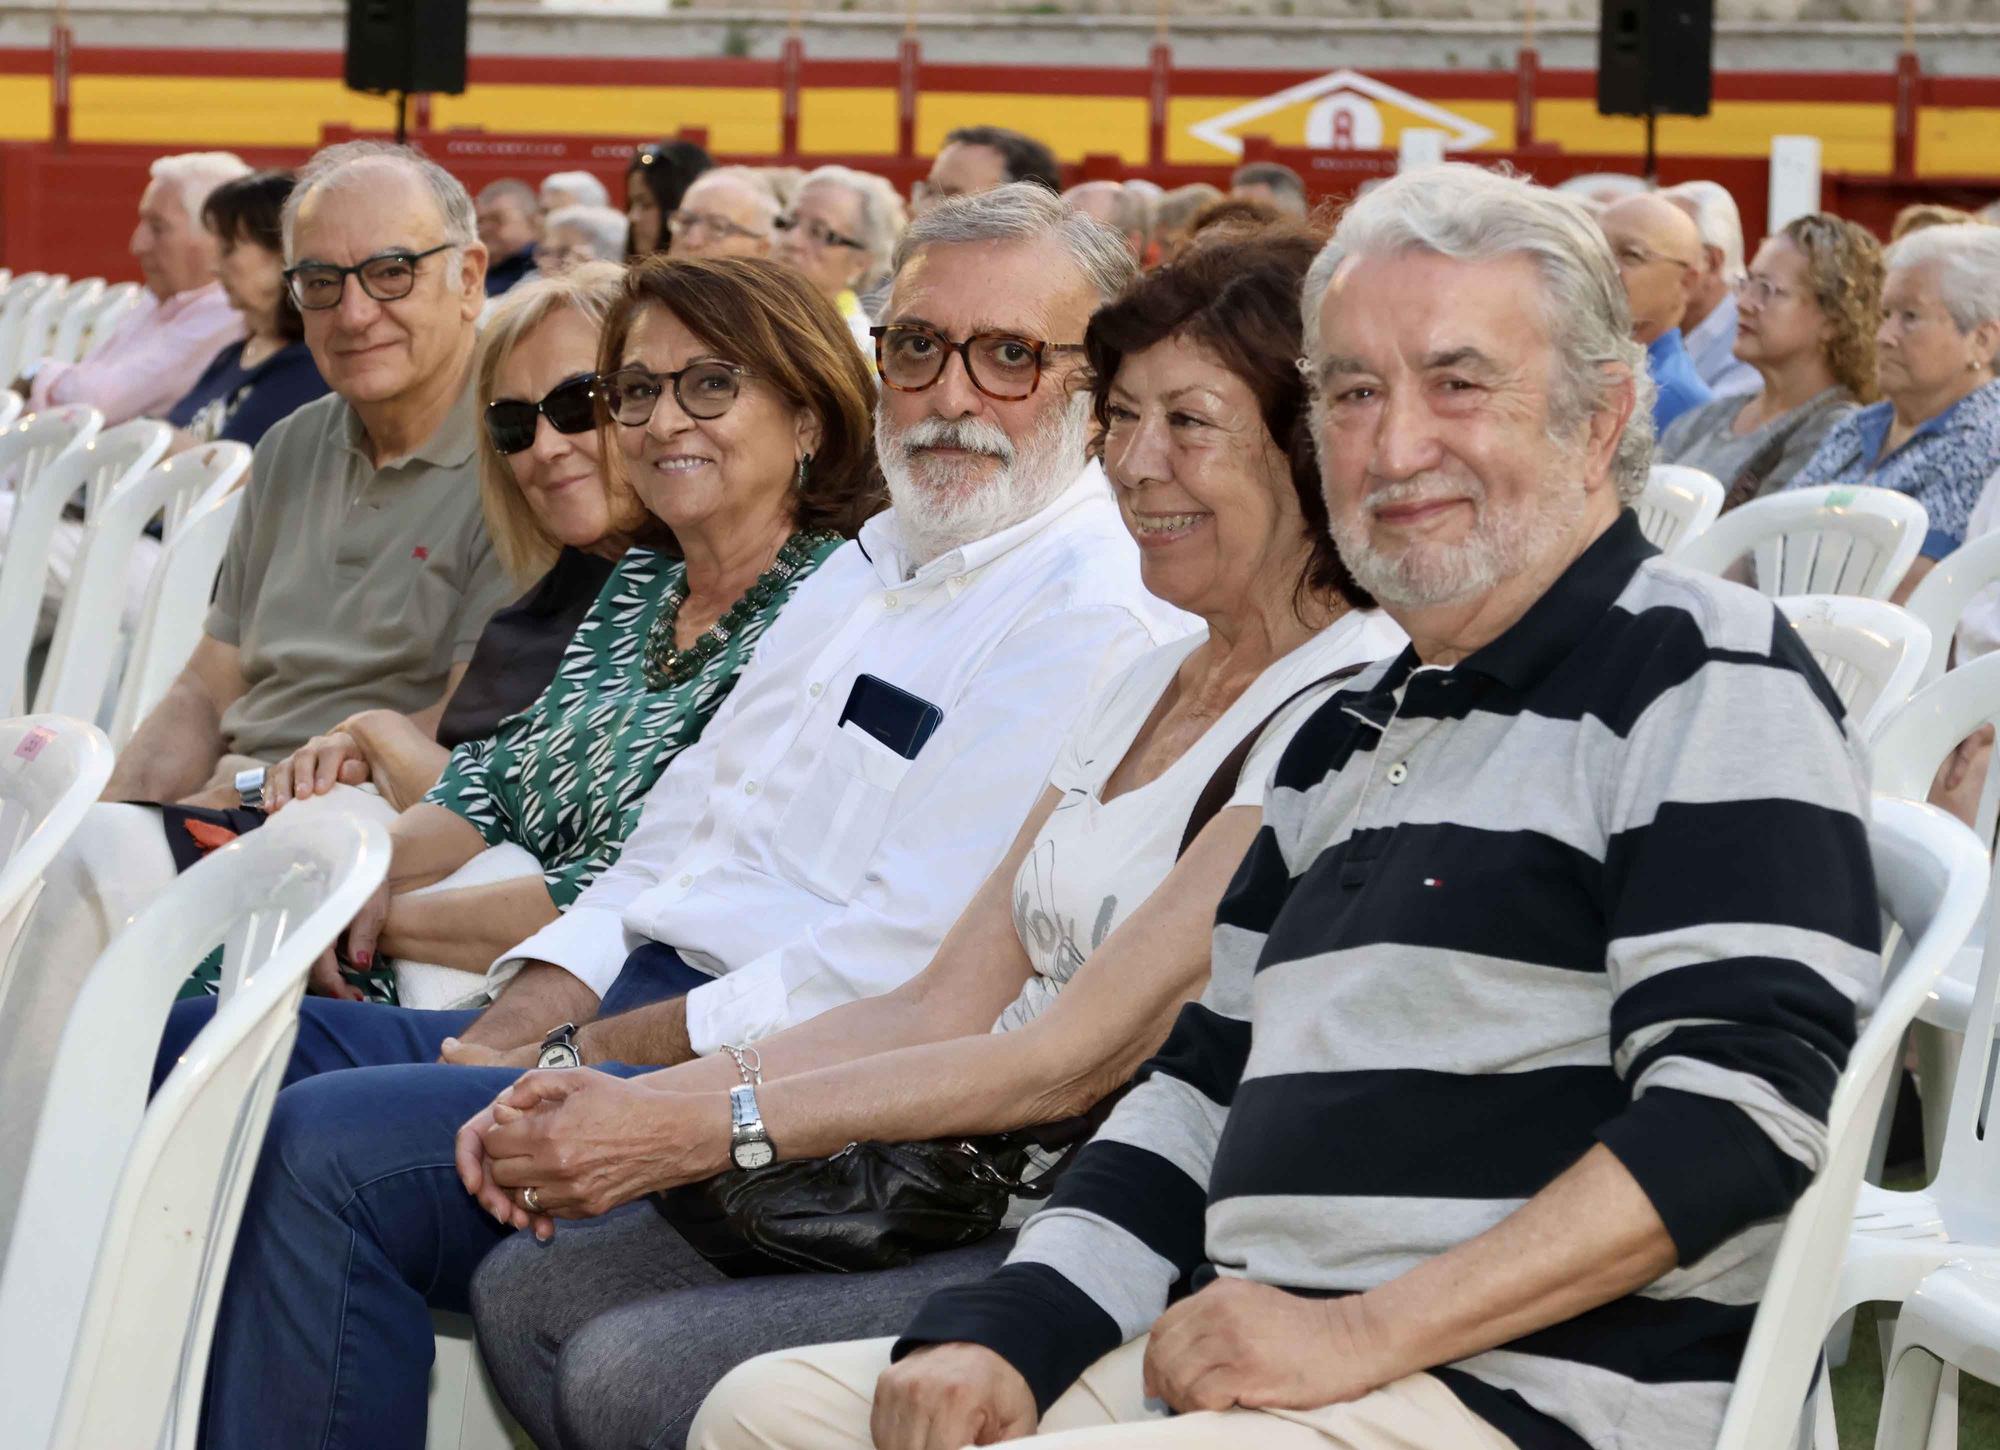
(420, 552)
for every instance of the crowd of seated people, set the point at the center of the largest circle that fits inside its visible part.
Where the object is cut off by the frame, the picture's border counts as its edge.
(838, 673)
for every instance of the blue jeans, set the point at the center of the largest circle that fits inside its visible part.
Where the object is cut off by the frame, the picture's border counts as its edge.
(356, 1223)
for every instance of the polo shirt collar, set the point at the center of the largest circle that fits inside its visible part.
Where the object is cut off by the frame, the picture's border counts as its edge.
(1873, 422)
(882, 543)
(1572, 606)
(1663, 348)
(450, 444)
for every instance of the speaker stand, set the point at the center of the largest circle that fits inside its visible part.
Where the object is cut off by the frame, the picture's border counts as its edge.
(1652, 150)
(403, 124)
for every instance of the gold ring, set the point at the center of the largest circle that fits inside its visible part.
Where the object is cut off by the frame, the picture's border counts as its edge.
(531, 1200)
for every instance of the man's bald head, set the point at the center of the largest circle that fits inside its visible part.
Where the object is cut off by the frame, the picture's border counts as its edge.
(1658, 250)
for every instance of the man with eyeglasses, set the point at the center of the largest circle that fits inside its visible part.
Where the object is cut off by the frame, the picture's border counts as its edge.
(728, 212)
(864, 776)
(359, 574)
(1658, 252)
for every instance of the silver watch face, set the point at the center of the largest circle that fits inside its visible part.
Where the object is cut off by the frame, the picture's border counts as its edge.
(754, 1154)
(558, 1054)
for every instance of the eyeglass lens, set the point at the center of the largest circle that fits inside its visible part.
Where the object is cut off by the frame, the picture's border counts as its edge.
(386, 279)
(1001, 366)
(570, 407)
(703, 390)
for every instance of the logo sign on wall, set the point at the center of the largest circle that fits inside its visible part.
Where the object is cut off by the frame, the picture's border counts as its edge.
(1342, 111)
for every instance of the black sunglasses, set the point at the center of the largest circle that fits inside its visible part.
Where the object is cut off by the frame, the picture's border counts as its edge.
(570, 407)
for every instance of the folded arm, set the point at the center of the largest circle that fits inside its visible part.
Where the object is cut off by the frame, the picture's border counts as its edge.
(176, 747)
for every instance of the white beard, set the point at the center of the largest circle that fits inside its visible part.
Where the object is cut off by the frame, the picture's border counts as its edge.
(941, 506)
(1500, 544)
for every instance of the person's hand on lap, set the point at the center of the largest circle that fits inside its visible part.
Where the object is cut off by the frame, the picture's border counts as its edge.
(1239, 1343)
(945, 1396)
(314, 769)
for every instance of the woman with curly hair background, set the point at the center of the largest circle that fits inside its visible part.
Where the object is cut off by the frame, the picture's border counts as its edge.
(1808, 308)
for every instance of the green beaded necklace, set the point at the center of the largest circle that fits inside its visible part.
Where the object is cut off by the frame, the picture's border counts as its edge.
(666, 666)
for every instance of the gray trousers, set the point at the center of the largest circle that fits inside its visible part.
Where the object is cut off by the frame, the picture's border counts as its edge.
(611, 1335)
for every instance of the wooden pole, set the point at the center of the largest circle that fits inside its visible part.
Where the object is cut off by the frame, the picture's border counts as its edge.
(60, 46)
(909, 56)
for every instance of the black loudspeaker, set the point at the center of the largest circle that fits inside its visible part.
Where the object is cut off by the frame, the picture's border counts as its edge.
(412, 46)
(1655, 57)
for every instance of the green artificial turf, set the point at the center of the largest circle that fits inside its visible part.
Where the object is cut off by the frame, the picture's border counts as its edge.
(1857, 1396)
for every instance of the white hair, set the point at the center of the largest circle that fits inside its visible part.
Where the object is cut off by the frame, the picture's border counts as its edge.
(580, 187)
(194, 174)
(882, 218)
(1470, 214)
(603, 228)
(1967, 260)
(1024, 211)
(1716, 218)
(756, 180)
(325, 169)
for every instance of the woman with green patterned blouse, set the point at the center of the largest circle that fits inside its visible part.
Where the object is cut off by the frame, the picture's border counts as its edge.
(759, 461)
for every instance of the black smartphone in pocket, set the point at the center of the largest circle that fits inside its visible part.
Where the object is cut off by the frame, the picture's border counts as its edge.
(895, 717)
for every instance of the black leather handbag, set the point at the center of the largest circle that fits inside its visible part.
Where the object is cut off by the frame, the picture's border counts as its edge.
(879, 1205)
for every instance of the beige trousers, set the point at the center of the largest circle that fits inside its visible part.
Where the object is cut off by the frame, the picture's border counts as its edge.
(819, 1399)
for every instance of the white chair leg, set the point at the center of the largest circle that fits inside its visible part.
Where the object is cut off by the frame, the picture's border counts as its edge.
(1938, 1051)
(465, 1413)
(1909, 1400)
(1822, 1432)
(1944, 1414)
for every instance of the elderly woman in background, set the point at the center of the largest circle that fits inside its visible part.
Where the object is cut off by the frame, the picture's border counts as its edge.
(1065, 970)
(1807, 312)
(840, 231)
(656, 179)
(1936, 434)
(774, 409)
(571, 188)
(574, 235)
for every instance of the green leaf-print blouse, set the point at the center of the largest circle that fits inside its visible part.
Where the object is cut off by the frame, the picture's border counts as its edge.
(565, 778)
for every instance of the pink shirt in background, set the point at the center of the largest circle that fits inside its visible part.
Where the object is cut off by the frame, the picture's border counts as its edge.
(148, 361)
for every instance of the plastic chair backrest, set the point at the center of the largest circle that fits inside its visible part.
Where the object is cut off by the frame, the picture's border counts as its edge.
(90, 637)
(39, 438)
(1678, 503)
(119, 299)
(51, 770)
(17, 308)
(1930, 876)
(129, 1211)
(114, 456)
(80, 304)
(1870, 652)
(1828, 540)
(177, 599)
(1913, 742)
(1941, 596)
(12, 405)
(38, 326)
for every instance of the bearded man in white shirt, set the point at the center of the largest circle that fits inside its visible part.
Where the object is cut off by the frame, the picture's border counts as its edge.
(866, 773)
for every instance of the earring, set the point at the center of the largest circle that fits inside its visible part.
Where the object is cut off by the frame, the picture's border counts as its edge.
(805, 468)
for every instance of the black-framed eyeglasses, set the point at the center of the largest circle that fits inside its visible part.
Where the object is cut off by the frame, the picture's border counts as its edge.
(386, 277)
(1002, 365)
(818, 233)
(703, 390)
(570, 406)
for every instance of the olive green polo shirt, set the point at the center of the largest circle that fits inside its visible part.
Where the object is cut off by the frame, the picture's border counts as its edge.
(349, 587)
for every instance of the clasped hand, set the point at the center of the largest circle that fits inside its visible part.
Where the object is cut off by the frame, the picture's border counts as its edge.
(586, 1142)
(1234, 1345)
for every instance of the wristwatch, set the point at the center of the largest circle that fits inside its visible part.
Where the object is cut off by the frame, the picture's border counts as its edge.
(749, 1145)
(250, 786)
(559, 1048)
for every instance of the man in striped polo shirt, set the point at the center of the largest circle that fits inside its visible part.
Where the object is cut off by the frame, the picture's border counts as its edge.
(1529, 999)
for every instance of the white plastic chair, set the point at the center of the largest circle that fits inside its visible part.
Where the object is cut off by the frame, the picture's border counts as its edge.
(1828, 540)
(1951, 1322)
(17, 307)
(38, 324)
(12, 405)
(119, 299)
(464, 1411)
(37, 440)
(1869, 651)
(1930, 875)
(1678, 503)
(80, 304)
(90, 637)
(129, 1211)
(176, 601)
(1941, 596)
(51, 769)
(106, 462)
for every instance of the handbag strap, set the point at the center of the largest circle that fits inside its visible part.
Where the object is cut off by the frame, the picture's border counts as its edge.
(1215, 795)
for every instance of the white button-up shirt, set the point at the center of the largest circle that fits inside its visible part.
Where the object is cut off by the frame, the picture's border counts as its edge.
(805, 863)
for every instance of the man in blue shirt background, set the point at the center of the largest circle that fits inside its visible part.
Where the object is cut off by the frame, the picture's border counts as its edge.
(1656, 246)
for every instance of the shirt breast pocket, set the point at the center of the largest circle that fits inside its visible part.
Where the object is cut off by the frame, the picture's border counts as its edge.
(832, 829)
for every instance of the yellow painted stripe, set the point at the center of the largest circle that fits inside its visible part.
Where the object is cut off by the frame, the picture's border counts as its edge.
(857, 122)
(1958, 140)
(250, 111)
(24, 108)
(1856, 136)
(1073, 125)
(738, 118)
